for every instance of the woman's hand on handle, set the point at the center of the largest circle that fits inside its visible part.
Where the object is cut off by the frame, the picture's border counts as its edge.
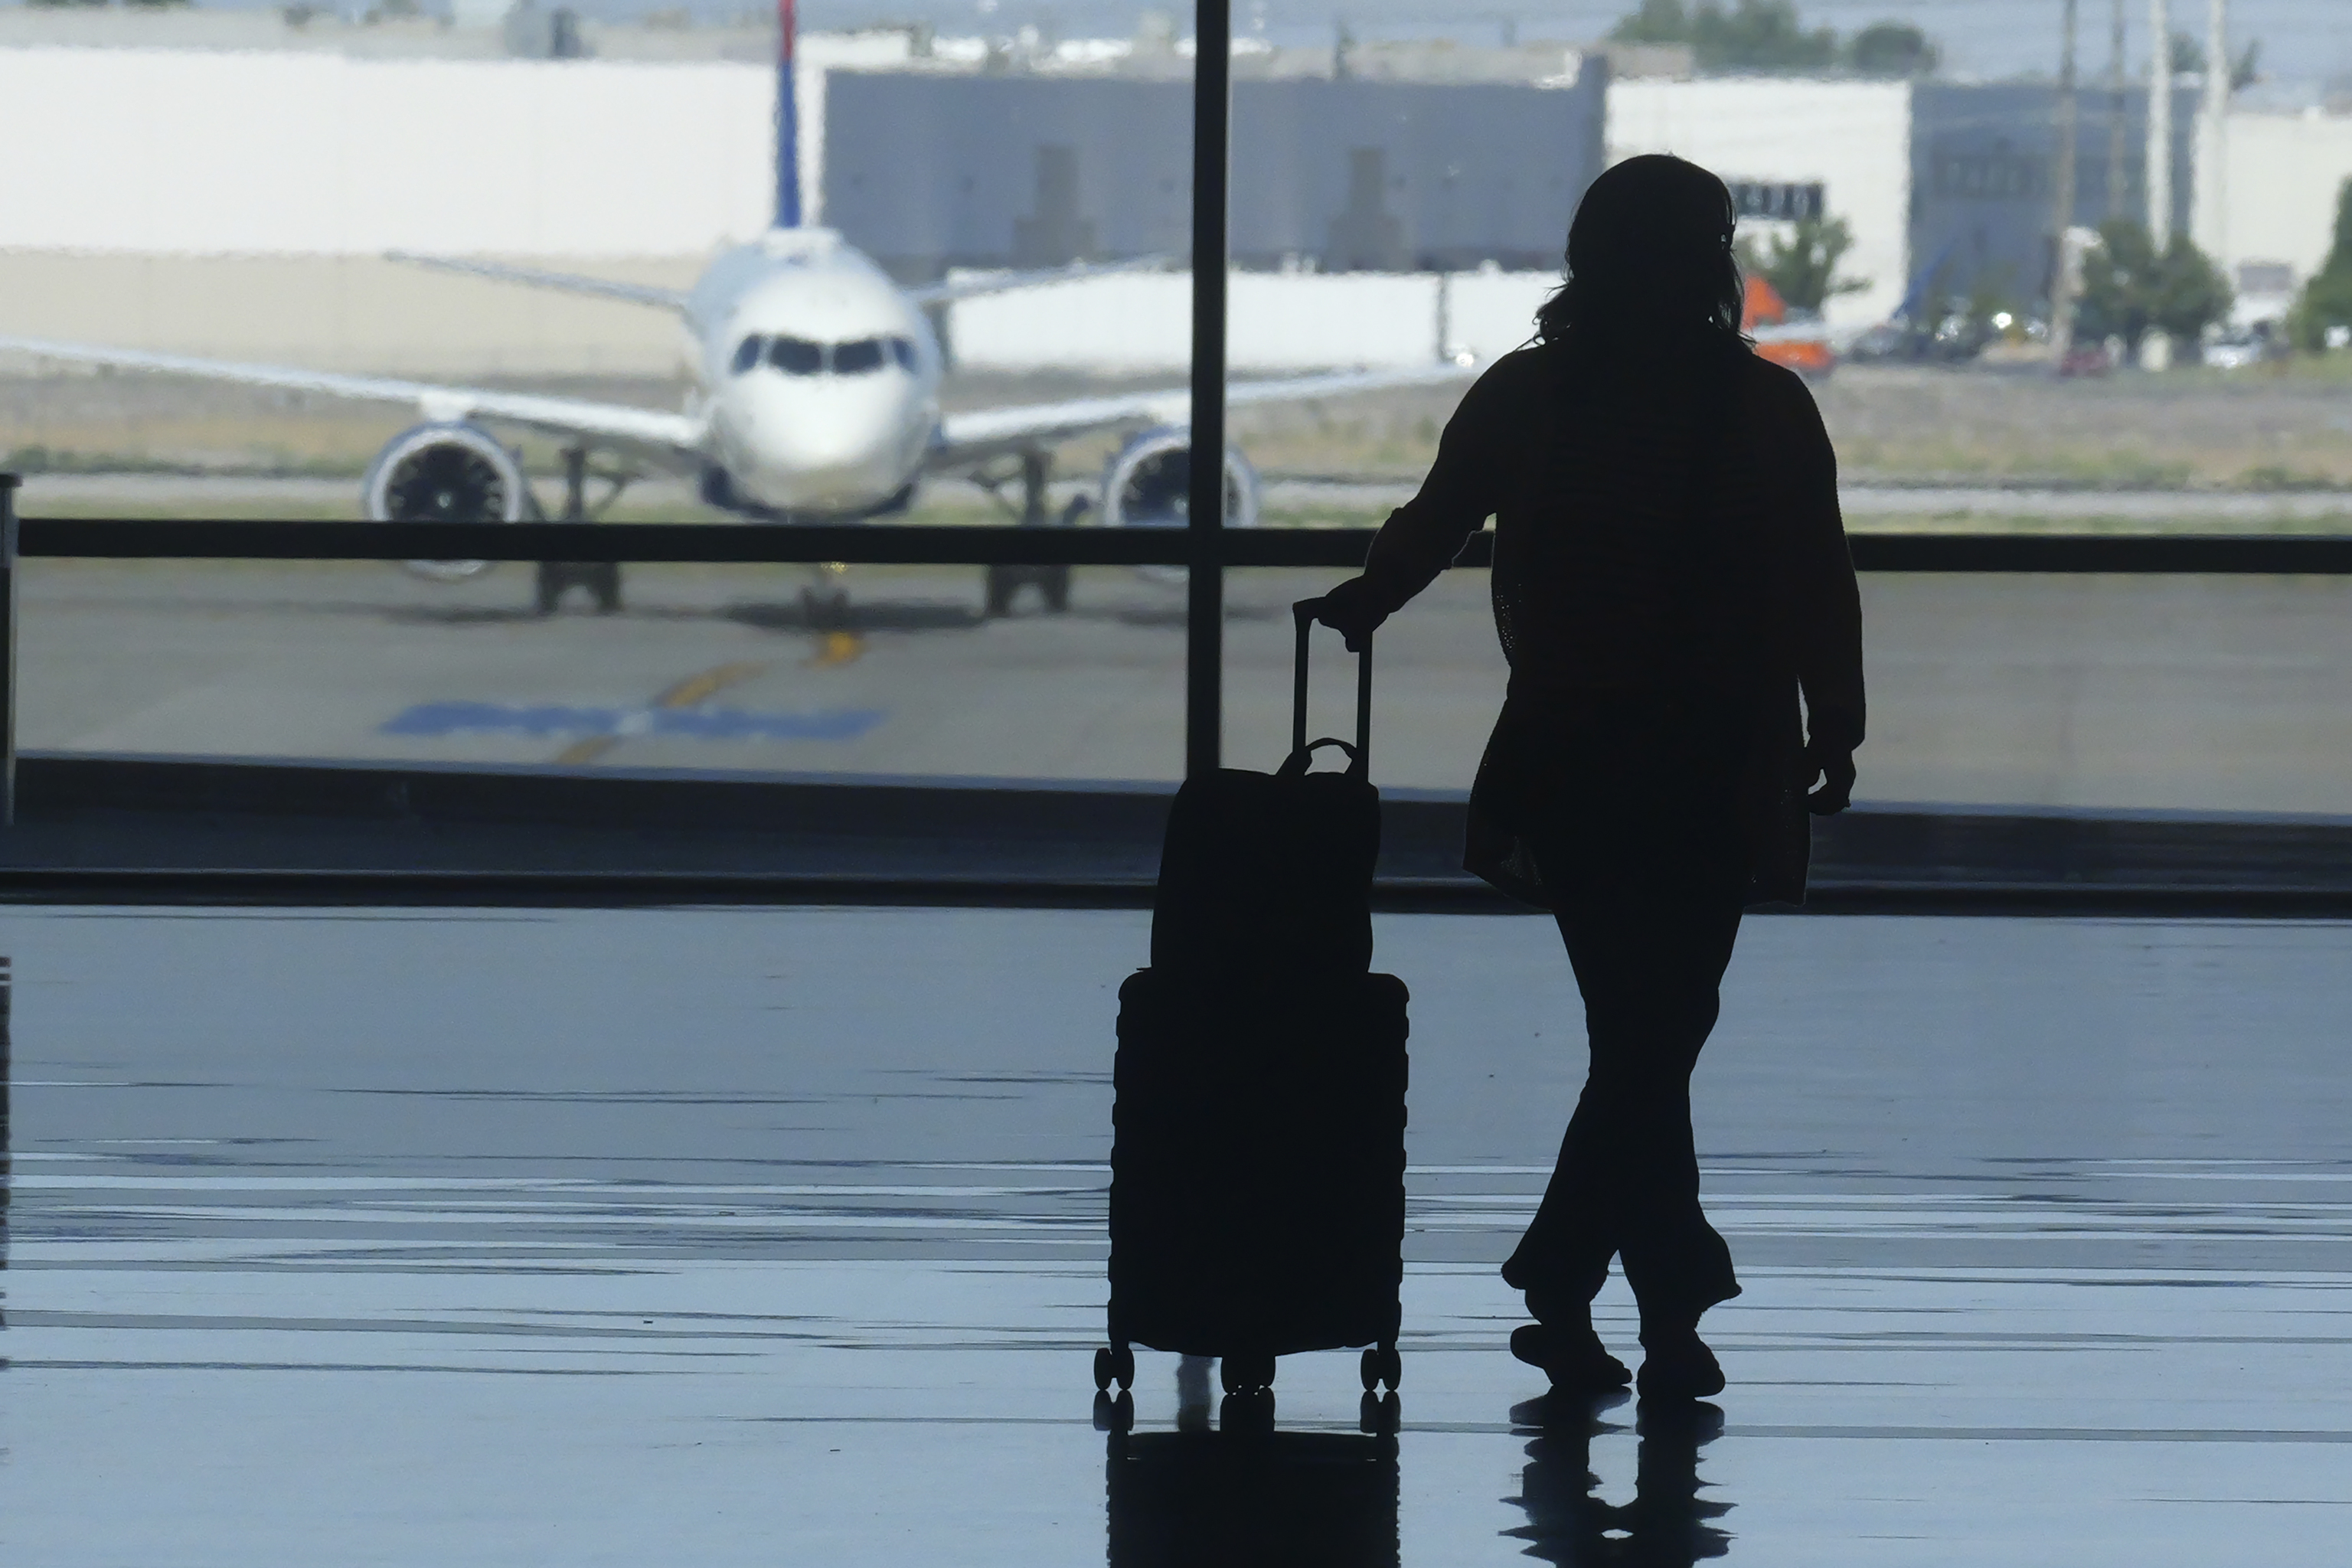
(1350, 610)
(1833, 766)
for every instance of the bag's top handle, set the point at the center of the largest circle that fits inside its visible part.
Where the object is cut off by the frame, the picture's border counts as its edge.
(1303, 612)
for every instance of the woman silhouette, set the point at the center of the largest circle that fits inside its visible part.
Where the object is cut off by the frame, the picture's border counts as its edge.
(1670, 576)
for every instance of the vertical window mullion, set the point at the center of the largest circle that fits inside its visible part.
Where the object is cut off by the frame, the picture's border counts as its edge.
(1205, 605)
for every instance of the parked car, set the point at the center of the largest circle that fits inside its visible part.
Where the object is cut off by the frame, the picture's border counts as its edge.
(2234, 347)
(1785, 335)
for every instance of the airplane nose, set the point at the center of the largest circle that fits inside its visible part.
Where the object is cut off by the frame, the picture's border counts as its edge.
(826, 446)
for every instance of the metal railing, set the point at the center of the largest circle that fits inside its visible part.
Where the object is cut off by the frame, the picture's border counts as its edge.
(1339, 549)
(140, 539)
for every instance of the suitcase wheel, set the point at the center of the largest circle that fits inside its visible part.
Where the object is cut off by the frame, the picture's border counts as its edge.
(1382, 1365)
(1247, 1412)
(1114, 1366)
(1247, 1373)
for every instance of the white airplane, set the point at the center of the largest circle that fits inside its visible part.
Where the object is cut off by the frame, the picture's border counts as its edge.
(815, 399)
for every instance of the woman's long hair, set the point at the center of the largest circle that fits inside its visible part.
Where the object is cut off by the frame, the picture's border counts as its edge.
(1650, 250)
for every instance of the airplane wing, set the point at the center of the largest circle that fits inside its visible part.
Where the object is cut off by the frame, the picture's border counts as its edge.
(675, 435)
(1005, 282)
(572, 282)
(985, 432)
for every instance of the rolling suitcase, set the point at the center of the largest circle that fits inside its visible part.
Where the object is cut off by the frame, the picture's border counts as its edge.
(1257, 1159)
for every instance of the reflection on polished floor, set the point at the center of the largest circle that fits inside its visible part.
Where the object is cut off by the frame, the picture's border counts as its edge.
(748, 1236)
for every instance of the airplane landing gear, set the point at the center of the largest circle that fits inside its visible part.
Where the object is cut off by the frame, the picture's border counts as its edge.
(824, 602)
(1006, 581)
(601, 578)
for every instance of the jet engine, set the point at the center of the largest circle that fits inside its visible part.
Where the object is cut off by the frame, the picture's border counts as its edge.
(447, 472)
(1148, 483)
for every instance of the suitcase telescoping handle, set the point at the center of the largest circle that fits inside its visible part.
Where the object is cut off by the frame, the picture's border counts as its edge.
(1360, 754)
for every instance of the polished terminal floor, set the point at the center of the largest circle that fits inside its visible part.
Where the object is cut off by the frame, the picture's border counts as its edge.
(776, 1236)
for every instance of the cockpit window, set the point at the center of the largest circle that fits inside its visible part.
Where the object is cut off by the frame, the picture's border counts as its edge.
(799, 356)
(796, 356)
(861, 357)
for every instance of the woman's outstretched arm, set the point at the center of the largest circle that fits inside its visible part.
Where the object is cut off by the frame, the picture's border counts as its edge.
(1827, 620)
(1476, 458)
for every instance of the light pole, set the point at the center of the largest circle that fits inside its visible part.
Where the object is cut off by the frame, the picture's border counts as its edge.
(2062, 279)
(2155, 348)
(2212, 145)
(2117, 178)
(2159, 125)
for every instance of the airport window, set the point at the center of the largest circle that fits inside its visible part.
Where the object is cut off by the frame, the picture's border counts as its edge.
(2002, 174)
(1913, 286)
(796, 356)
(1778, 199)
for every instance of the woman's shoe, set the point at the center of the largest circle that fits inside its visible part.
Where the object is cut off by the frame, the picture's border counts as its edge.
(1574, 1359)
(1676, 1364)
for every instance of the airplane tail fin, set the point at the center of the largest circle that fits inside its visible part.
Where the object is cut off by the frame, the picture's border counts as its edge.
(788, 152)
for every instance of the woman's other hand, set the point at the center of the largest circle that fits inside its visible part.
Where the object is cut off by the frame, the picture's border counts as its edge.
(1350, 610)
(1833, 766)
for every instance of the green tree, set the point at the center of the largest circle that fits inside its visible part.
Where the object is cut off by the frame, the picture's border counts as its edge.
(1657, 22)
(1801, 264)
(1759, 36)
(1892, 49)
(2249, 68)
(2327, 300)
(2192, 293)
(1752, 35)
(2189, 59)
(2130, 290)
(2116, 273)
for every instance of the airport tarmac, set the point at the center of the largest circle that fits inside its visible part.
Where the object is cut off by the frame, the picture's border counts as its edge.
(2102, 693)
(2276, 430)
(1362, 501)
(699, 1236)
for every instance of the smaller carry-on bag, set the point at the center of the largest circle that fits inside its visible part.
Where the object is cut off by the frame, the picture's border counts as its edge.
(1257, 1158)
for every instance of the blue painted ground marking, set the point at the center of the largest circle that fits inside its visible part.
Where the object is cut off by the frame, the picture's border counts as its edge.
(698, 723)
